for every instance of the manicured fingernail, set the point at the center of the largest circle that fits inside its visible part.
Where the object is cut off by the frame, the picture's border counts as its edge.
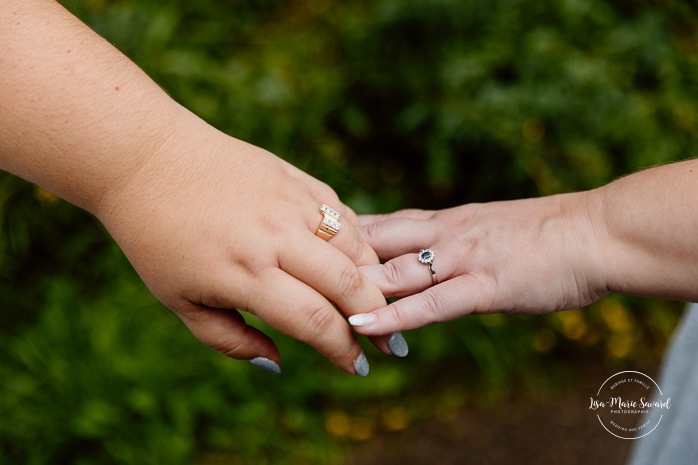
(362, 319)
(361, 365)
(398, 345)
(266, 364)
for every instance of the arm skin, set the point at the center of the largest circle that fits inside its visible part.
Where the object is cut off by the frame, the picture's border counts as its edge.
(210, 223)
(636, 236)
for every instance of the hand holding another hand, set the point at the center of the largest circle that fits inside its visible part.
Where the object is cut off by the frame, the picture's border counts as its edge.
(213, 224)
(210, 223)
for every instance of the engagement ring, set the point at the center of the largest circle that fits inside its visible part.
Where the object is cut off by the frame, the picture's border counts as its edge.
(426, 257)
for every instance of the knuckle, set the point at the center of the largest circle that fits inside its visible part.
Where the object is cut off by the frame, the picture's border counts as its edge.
(233, 351)
(430, 304)
(397, 316)
(231, 341)
(372, 232)
(228, 347)
(320, 323)
(323, 332)
(355, 249)
(351, 281)
(393, 274)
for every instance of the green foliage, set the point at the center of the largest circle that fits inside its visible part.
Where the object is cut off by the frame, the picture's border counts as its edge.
(394, 104)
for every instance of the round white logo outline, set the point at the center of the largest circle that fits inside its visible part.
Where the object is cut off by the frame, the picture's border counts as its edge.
(598, 393)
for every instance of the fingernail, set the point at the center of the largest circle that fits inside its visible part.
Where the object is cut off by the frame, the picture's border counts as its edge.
(266, 364)
(361, 365)
(362, 319)
(398, 345)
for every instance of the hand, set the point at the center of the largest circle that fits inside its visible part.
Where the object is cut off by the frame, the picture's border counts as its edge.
(526, 256)
(212, 224)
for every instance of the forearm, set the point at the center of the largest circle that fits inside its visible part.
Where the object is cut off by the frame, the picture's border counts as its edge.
(647, 232)
(78, 117)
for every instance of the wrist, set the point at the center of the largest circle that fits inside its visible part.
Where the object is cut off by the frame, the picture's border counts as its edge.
(166, 157)
(590, 257)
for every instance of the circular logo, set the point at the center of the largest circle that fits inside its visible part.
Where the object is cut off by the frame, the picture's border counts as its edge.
(629, 405)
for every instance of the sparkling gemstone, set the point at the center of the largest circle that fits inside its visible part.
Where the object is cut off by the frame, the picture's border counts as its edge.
(330, 211)
(426, 255)
(331, 223)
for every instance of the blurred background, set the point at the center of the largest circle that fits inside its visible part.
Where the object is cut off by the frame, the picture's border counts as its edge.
(395, 103)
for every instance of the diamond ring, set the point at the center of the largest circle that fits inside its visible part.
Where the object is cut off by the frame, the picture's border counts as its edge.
(330, 223)
(426, 257)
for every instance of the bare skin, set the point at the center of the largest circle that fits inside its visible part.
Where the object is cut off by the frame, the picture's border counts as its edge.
(636, 236)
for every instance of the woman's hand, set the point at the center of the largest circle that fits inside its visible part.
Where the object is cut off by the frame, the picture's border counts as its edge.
(213, 224)
(210, 223)
(525, 256)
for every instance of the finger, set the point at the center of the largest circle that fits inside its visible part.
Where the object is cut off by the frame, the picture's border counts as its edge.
(227, 332)
(299, 311)
(406, 275)
(347, 239)
(412, 213)
(443, 302)
(332, 274)
(398, 236)
(349, 214)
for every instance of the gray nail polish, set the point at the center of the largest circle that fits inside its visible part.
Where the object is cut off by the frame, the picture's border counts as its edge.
(398, 345)
(266, 364)
(361, 365)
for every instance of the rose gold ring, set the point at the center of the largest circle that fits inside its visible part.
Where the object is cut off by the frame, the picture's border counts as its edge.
(330, 223)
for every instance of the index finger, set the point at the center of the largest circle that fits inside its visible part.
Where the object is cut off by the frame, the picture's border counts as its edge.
(410, 213)
(443, 302)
